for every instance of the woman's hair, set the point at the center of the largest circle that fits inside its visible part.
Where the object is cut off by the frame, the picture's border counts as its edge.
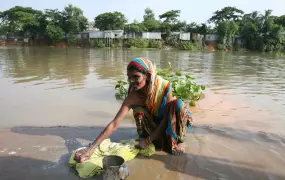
(136, 68)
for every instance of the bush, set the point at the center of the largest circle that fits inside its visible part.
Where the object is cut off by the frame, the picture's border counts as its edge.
(116, 45)
(220, 47)
(188, 46)
(155, 44)
(229, 47)
(173, 41)
(236, 47)
(95, 43)
(72, 39)
(139, 43)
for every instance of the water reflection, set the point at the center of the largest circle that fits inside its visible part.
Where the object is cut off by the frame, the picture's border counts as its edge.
(245, 72)
(248, 73)
(253, 77)
(39, 65)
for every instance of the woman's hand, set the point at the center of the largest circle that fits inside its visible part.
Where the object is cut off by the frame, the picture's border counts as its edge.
(83, 154)
(142, 143)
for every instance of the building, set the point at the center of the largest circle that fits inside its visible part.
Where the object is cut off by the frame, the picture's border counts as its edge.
(185, 36)
(114, 34)
(151, 35)
(239, 41)
(212, 37)
(90, 27)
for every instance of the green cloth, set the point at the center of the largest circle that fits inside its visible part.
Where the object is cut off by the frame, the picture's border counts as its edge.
(94, 166)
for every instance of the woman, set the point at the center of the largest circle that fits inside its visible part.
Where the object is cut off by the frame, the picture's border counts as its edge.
(160, 119)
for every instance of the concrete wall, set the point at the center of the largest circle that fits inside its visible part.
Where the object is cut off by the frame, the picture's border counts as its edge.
(211, 37)
(185, 36)
(96, 34)
(151, 35)
(114, 34)
(3, 37)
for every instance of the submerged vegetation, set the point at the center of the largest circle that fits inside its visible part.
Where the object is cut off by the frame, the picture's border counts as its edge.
(184, 86)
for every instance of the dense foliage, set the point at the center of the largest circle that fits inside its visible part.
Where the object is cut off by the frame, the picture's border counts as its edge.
(52, 23)
(259, 31)
(263, 32)
(110, 21)
(144, 43)
(184, 86)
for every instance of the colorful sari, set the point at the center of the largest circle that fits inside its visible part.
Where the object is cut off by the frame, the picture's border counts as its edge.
(148, 117)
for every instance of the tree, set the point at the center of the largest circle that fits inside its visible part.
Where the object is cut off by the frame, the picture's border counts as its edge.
(23, 20)
(73, 20)
(135, 27)
(149, 22)
(170, 16)
(192, 27)
(203, 29)
(179, 26)
(226, 14)
(55, 17)
(54, 29)
(4, 28)
(261, 32)
(60, 23)
(110, 21)
(280, 20)
(55, 33)
(227, 30)
(169, 21)
(149, 15)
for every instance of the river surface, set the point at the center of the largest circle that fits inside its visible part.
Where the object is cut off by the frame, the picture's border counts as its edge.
(242, 113)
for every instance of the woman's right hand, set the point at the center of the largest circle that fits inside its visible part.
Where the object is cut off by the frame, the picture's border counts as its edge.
(83, 154)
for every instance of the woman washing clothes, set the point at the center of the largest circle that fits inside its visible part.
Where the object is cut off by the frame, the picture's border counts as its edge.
(160, 119)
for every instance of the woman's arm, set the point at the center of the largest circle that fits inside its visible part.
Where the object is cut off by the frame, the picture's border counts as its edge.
(113, 125)
(85, 154)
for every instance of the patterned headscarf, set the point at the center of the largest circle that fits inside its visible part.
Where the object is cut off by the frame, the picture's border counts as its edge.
(157, 90)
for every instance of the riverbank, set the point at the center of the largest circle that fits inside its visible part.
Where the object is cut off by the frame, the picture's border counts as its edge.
(42, 153)
(214, 149)
(210, 48)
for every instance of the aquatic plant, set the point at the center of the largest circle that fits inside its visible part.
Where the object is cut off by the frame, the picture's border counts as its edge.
(184, 86)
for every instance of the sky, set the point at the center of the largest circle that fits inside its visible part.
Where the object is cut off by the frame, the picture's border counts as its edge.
(191, 10)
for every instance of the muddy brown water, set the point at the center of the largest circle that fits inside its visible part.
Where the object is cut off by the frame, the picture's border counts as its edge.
(239, 130)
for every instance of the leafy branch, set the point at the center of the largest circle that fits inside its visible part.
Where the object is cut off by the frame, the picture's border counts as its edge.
(184, 86)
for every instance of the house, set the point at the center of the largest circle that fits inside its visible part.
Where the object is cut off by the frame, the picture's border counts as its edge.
(196, 36)
(151, 35)
(96, 34)
(90, 27)
(239, 41)
(130, 35)
(114, 34)
(3, 37)
(185, 36)
(211, 37)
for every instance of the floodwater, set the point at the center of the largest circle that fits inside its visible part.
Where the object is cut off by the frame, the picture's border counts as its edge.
(239, 128)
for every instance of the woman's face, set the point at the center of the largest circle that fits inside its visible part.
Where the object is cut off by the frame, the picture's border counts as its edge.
(136, 79)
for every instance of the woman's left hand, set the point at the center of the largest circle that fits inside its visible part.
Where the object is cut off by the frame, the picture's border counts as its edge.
(142, 143)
